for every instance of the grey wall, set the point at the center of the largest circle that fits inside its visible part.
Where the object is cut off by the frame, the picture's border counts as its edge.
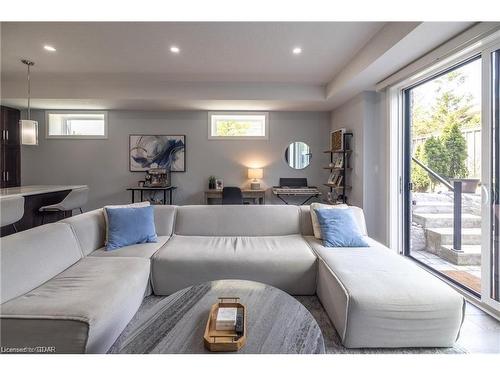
(364, 116)
(103, 164)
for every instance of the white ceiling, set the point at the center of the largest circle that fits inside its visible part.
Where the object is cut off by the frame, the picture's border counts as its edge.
(114, 65)
(258, 52)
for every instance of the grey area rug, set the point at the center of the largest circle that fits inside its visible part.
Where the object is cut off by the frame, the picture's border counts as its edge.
(332, 340)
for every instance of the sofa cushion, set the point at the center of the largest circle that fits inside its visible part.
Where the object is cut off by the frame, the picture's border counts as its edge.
(314, 215)
(377, 298)
(285, 262)
(83, 309)
(237, 220)
(307, 224)
(90, 227)
(144, 250)
(129, 226)
(105, 214)
(306, 227)
(339, 228)
(32, 257)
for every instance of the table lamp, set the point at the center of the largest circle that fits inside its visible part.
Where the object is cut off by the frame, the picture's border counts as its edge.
(255, 174)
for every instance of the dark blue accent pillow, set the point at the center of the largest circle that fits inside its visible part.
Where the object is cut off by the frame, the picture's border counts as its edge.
(339, 228)
(129, 226)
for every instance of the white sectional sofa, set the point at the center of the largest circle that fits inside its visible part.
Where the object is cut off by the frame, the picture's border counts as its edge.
(60, 288)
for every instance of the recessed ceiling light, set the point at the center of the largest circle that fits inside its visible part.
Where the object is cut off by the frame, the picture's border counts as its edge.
(175, 49)
(49, 48)
(297, 51)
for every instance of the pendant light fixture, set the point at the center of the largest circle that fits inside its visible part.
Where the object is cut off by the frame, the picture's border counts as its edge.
(29, 128)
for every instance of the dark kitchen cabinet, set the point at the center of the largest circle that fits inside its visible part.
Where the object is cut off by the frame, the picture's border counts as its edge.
(10, 144)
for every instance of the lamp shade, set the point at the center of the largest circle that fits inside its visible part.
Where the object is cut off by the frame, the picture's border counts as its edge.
(255, 173)
(29, 132)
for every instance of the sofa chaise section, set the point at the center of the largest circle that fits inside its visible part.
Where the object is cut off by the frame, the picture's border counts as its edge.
(260, 243)
(377, 298)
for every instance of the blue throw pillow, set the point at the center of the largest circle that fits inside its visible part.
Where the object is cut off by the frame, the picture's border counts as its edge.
(129, 226)
(339, 228)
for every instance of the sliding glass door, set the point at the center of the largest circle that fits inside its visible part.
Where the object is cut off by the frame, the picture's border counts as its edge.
(443, 150)
(451, 171)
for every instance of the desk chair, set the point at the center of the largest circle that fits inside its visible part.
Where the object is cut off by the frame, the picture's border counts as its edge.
(11, 211)
(74, 200)
(232, 195)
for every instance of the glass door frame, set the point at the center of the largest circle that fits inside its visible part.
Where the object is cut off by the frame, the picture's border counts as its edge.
(487, 173)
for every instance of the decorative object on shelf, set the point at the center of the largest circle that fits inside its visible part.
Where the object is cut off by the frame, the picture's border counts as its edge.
(160, 151)
(339, 180)
(332, 178)
(339, 158)
(219, 183)
(141, 183)
(337, 140)
(298, 155)
(231, 337)
(211, 182)
(339, 161)
(29, 128)
(255, 174)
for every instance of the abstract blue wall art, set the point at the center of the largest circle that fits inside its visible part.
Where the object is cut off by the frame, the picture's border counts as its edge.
(157, 151)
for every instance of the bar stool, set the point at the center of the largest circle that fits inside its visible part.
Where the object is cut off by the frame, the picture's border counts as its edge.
(74, 200)
(11, 211)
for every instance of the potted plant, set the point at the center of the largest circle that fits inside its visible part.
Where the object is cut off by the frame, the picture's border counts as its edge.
(211, 182)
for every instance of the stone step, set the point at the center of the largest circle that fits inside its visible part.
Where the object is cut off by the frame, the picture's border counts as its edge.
(437, 237)
(435, 220)
(470, 255)
(433, 207)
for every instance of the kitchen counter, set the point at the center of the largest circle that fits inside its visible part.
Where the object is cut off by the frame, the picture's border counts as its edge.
(35, 190)
(36, 196)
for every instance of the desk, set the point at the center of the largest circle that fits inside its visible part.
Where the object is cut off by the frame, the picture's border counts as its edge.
(170, 189)
(257, 196)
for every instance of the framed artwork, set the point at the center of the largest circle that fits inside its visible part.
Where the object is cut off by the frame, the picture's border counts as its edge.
(219, 184)
(157, 151)
(336, 140)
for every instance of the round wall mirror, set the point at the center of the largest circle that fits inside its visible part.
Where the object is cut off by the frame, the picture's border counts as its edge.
(298, 155)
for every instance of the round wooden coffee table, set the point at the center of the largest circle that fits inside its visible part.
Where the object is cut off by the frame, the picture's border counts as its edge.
(277, 322)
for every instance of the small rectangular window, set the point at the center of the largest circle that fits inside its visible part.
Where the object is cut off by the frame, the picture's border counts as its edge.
(77, 125)
(238, 125)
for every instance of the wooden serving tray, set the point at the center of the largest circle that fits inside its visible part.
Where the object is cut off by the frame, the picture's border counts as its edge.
(224, 341)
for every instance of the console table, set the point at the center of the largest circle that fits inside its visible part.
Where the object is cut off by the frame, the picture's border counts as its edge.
(164, 189)
(257, 196)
